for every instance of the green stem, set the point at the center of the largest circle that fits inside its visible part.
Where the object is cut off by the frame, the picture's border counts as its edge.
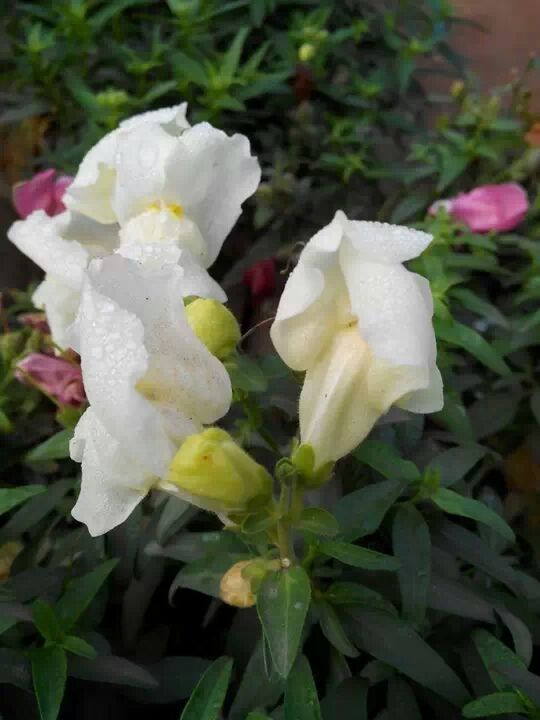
(291, 503)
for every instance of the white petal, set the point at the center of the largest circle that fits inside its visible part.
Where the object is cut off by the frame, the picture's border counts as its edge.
(112, 483)
(210, 175)
(172, 119)
(391, 306)
(132, 329)
(90, 193)
(60, 302)
(96, 238)
(163, 227)
(142, 153)
(40, 237)
(427, 400)
(306, 315)
(384, 243)
(336, 410)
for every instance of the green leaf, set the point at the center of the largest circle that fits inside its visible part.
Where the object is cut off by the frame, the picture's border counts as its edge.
(494, 704)
(46, 622)
(11, 497)
(401, 702)
(189, 69)
(494, 654)
(410, 207)
(208, 697)
(385, 459)
(395, 643)
(412, 547)
(257, 716)
(361, 512)
(112, 669)
(55, 448)
(453, 464)
(231, 60)
(349, 593)
(301, 701)
(80, 592)
(282, 603)
(480, 306)
(35, 509)
(78, 646)
(318, 521)
(358, 556)
(347, 701)
(468, 339)
(333, 629)
(455, 504)
(204, 575)
(49, 671)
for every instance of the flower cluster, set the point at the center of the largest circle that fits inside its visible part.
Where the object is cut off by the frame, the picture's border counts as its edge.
(127, 287)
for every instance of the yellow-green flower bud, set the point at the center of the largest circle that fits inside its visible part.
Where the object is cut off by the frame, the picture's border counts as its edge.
(215, 473)
(214, 325)
(306, 52)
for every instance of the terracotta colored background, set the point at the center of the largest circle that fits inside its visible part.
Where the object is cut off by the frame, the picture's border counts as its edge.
(512, 34)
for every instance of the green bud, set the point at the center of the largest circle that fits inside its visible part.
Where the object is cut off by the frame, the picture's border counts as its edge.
(303, 459)
(285, 471)
(306, 52)
(215, 473)
(214, 325)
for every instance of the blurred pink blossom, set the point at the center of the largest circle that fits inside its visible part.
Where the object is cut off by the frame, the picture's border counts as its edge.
(488, 207)
(56, 376)
(42, 192)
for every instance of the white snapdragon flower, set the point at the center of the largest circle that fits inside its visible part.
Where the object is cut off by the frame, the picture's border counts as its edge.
(168, 185)
(360, 325)
(62, 246)
(149, 380)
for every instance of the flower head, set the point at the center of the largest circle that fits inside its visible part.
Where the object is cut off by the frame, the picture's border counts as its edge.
(359, 324)
(489, 207)
(54, 375)
(167, 184)
(150, 383)
(42, 192)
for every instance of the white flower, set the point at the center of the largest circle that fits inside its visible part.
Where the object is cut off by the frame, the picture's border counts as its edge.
(62, 246)
(149, 380)
(167, 184)
(360, 324)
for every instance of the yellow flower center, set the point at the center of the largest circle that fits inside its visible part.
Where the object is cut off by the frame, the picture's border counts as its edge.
(174, 208)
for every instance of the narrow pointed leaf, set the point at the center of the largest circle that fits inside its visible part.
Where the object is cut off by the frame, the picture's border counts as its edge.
(301, 701)
(358, 556)
(49, 671)
(208, 697)
(456, 504)
(282, 603)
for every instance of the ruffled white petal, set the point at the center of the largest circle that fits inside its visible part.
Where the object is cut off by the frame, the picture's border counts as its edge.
(210, 175)
(384, 243)
(113, 483)
(60, 303)
(142, 154)
(40, 237)
(306, 316)
(149, 380)
(92, 189)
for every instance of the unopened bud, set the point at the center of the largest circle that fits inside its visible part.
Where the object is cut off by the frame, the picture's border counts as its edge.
(214, 325)
(306, 52)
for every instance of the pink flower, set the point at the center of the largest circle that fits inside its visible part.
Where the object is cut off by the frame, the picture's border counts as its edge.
(261, 279)
(55, 376)
(42, 192)
(489, 207)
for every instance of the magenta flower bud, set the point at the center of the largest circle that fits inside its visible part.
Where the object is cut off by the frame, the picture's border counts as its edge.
(41, 192)
(489, 207)
(55, 376)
